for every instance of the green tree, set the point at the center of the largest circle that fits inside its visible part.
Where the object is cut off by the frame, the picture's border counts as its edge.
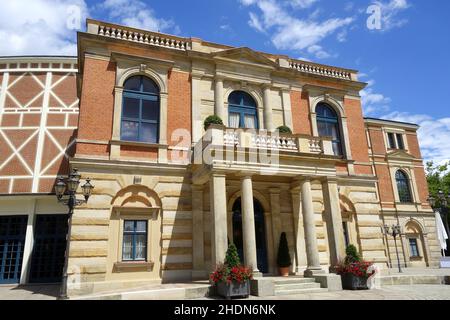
(232, 257)
(438, 178)
(352, 254)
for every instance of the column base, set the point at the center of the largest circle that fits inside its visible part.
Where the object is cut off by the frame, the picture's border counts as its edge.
(257, 274)
(199, 275)
(312, 272)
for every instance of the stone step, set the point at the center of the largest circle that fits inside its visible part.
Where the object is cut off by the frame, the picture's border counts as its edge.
(300, 291)
(297, 286)
(293, 281)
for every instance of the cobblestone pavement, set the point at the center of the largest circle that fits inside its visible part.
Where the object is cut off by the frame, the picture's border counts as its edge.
(414, 292)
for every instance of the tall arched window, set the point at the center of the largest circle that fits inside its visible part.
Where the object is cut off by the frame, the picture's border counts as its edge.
(404, 191)
(140, 110)
(242, 111)
(328, 125)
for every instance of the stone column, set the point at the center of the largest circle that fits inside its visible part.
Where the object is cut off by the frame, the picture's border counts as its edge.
(299, 233)
(219, 108)
(333, 215)
(312, 252)
(248, 224)
(276, 219)
(218, 204)
(268, 123)
(198, 251)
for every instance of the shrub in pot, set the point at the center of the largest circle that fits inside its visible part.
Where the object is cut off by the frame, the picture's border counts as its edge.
(283, 258)
(284, 129)
(212, 120)
(231, 278)
(354, 271)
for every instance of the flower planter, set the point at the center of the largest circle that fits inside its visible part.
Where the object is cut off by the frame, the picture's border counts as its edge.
(284, 272)
(234, 289)
(352, 282)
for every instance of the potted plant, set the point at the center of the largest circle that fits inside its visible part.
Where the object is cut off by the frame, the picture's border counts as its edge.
(354, 271)
(284, 129)
(231, 278)
(212, 120)
(283, 258)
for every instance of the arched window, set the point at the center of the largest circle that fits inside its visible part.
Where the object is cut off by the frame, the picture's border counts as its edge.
(242, 111)
(140, 110)
(328, 126)
(404, 191)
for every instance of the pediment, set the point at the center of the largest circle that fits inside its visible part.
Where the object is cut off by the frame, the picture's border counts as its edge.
(399, 154)
(244, 55)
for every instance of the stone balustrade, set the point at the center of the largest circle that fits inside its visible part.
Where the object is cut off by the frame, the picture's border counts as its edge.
(322, 70)
(130, 34)
(261, 139)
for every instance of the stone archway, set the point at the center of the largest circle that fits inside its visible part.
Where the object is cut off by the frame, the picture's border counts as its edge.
(415, 246)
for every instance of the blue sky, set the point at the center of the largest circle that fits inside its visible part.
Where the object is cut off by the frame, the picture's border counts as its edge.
(405, 61)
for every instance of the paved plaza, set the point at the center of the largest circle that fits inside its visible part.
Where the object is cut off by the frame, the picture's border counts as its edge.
(413, 292)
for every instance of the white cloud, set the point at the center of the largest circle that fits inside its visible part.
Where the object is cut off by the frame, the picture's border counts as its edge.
(41, 27)
(434, 134)
(137, 14)
(389, 13)
(302, 3)
(374, 103)
(290, 32)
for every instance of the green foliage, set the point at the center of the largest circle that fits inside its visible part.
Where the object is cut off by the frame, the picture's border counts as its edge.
(284, 129)
(438, 178)
(212, 120)
(284, 258)
(232, 257)
(352, 255)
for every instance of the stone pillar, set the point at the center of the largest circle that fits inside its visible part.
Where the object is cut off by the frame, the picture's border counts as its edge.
(333, 215)
(299, 233)
(276, 219)
(198, 251)
(268, 123)
(219, 108)
(312, 252)
(219, 243)
(248, 224)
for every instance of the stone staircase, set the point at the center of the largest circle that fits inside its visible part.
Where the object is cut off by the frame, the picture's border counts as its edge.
(290, 286)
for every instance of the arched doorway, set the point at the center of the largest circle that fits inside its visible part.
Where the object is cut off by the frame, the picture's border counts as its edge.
(260, 231)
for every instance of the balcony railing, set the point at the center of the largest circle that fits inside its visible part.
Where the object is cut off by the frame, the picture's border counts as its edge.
(261, 139)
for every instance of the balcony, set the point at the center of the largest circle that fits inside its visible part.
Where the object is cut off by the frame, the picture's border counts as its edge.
(251, 139)
(258, 152)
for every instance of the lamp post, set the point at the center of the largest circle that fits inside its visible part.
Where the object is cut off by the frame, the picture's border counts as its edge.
(441, 206)
(66, 190)
(394, 231)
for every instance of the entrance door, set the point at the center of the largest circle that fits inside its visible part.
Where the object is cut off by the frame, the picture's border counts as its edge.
(12, 242)
(47, 261)
(260, 230)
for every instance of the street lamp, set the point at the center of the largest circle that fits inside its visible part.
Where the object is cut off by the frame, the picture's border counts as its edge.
(66, 193)
(441, 205)
(394, 231)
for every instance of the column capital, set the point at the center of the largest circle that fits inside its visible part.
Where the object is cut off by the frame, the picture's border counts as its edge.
(219, 78)
(274, 190)
(197, 187)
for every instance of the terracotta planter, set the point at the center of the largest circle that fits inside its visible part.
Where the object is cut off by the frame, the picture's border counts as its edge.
(352, 282)
(284, 272)
(233, 289)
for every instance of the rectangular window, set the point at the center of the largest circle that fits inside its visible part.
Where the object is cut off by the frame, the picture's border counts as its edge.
(414, 248)
(400, 143)
(391, 139)
(134, 240)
